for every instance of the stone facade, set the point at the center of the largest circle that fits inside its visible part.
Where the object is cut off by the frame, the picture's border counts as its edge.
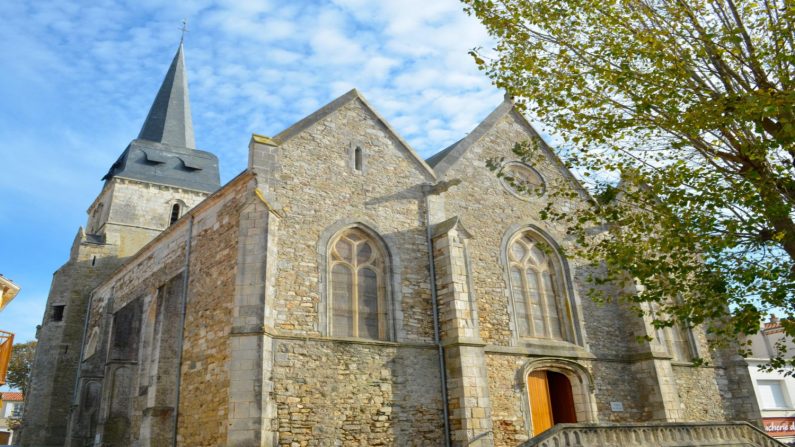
(129, 215)
(160, 352)
(220, 330)
(152, 184)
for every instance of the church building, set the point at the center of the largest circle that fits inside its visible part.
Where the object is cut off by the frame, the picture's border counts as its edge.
(341, 290)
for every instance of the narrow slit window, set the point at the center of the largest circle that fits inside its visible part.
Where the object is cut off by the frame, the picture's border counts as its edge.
(174, 214)
(57, 312)
(357, 159)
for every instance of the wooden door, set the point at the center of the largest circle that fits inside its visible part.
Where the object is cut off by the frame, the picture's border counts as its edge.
(540, 405)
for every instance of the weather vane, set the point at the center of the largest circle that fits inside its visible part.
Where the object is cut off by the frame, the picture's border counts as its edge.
(184, 29)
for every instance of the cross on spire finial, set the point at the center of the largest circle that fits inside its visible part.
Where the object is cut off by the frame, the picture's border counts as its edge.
(184, 30)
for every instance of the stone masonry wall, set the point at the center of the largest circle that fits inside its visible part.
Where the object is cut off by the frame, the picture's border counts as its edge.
(205, 359)
(616, 382)
(57, 357)
(699, 393)
(132, 214)
(328, 390)
(138, 211)
(318, 187)
(148, 205)
(331, 393)
(139, 280)
(509, 398)
(725, 381)
(490, 212)
(205, 383)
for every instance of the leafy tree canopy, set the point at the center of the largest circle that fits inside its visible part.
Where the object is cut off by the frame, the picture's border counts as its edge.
(21, 363)
(690, 103)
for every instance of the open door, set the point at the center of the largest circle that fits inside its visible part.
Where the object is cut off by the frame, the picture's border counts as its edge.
(551, 400)
(540, 405)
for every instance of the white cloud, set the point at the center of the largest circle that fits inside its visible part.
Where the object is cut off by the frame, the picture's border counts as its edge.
(81, 75)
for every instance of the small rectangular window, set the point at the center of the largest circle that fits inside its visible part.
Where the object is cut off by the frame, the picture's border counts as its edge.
(57, 312)
(771, 394)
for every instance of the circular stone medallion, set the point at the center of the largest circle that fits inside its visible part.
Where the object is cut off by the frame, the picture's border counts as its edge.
(525, 182)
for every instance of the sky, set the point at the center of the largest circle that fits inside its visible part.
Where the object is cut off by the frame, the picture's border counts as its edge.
(78, 78)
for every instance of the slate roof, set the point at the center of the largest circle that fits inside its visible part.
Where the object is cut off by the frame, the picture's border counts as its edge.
(148, 161)
(169, 120)
(164, 150)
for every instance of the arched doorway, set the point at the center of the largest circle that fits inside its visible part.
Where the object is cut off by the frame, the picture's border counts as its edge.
(551, 400)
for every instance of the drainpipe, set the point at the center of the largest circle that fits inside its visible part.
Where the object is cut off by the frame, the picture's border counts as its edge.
(79, 374)
(184, 299)
(427, 190)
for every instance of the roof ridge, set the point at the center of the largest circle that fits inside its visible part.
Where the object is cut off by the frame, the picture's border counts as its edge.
(443, 160)
(446, 158)
(314, 117)
(435, 158)
(285, 135)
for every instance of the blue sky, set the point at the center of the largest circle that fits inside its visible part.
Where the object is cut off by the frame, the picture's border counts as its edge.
(78, 78)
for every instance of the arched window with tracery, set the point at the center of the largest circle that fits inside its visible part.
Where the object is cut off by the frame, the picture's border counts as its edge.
(539, 308)
(358, 286)
(675, 339)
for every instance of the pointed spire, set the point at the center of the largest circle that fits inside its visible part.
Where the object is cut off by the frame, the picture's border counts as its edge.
(169, 120)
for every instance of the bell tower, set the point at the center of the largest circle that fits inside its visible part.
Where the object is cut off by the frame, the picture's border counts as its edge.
(159, 175)
(157, 178)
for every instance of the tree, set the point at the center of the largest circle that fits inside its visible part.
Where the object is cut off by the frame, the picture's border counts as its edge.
(21, 363)
(690, 103)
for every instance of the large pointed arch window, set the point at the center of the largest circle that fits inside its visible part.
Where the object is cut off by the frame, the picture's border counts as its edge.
(675, 339)
(539, 309)
(358, 287)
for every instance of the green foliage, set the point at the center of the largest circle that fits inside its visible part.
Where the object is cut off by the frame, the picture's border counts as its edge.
(691, 104)
(22, 357)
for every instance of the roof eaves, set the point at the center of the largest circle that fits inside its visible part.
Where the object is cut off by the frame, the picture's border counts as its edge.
(246, 174)
(403, 142)
(434, 159)
(12, 396)
(448, 157)
(336, 104)
(554, 157)
(287, 134)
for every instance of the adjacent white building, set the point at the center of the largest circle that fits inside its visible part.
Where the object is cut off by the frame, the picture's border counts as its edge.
(11, 404)
(775, 391)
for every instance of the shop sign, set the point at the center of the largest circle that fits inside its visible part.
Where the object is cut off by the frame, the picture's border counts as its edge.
(779, 427)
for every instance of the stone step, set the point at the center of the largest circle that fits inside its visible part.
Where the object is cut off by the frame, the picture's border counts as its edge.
(655, 434)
